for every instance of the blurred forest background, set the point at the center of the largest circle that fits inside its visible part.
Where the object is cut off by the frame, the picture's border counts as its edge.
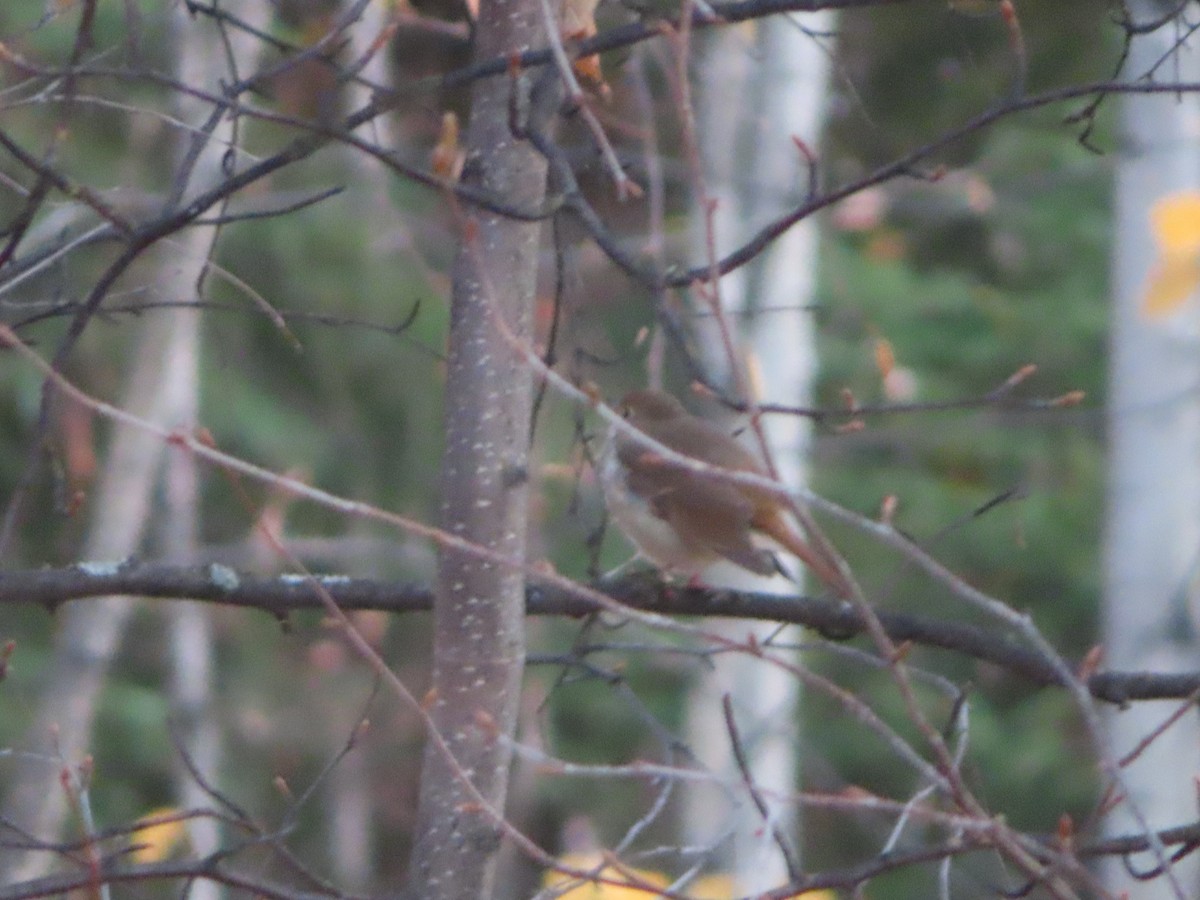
(999, 261)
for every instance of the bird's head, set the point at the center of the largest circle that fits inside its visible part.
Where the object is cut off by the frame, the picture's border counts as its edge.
(650, 406)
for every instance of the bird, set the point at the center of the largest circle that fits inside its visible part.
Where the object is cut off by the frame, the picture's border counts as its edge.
(683, 520)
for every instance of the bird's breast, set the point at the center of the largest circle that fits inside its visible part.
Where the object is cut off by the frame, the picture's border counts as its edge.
(653, 536)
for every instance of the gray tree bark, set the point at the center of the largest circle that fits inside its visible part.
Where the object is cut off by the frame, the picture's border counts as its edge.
(479, 610)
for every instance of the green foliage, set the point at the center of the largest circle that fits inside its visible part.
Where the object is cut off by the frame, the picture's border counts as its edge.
(962, 331)
(966, 295)
(354, 405)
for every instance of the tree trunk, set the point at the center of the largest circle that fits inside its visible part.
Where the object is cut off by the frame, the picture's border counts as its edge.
(479, 612)
(162, 388)
(770, 300)
(1154, 438)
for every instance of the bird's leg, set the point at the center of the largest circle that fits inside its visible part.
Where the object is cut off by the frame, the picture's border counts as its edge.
(783, 570)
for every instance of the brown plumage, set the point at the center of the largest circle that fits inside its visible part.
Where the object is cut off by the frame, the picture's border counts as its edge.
(683, 520)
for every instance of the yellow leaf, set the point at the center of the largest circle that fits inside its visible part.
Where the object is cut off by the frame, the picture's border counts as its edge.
(595, 890)
(1175, 221)
(713, 887)
(723, 887)
(1175, 275)
(156, 839)
(1173, 279)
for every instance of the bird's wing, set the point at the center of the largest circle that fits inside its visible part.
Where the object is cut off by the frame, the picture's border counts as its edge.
(702, 510)
(718, 518)
(706, 442)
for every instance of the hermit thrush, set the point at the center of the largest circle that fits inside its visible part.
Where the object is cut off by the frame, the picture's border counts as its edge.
(684, 520)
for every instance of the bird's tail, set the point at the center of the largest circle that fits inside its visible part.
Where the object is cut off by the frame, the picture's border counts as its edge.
(781, 531)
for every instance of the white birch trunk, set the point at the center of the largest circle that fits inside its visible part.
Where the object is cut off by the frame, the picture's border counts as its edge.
(202, 61)
(1153, 537)
(163, 388)
(781, 84)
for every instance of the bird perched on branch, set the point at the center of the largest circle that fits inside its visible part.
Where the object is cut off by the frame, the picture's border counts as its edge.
(682, 519)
